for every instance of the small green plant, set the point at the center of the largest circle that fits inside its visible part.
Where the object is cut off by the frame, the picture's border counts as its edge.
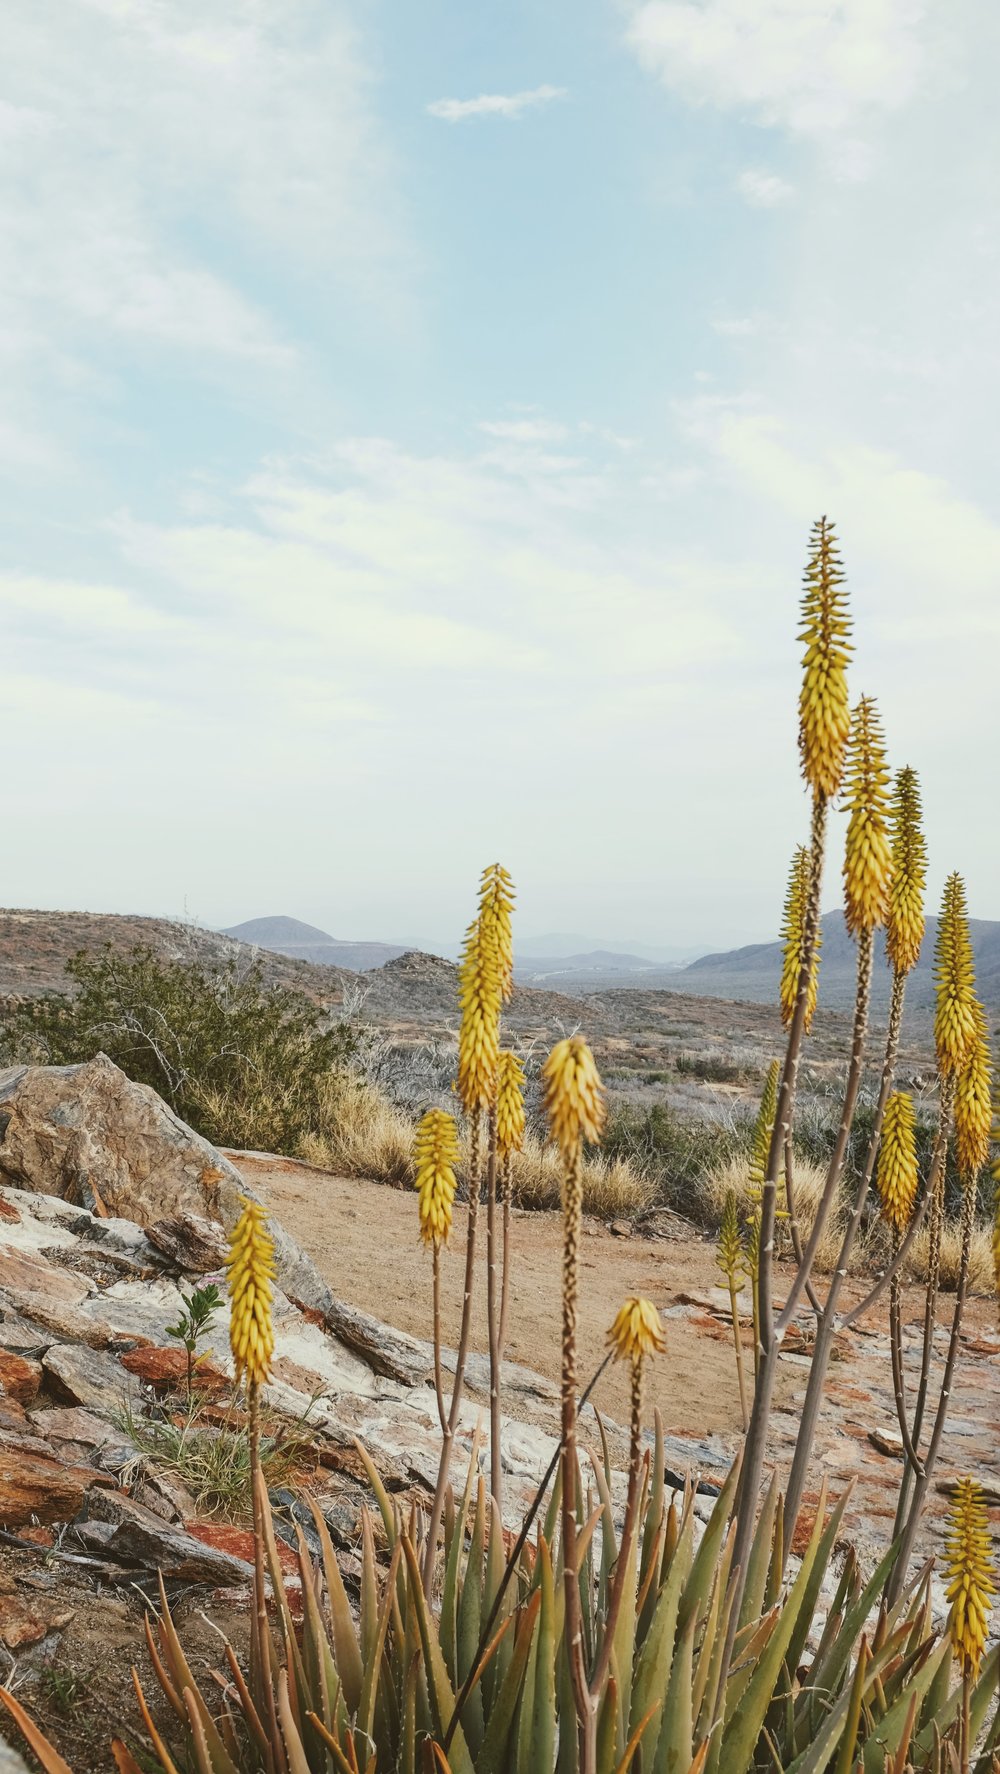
(195, 1321)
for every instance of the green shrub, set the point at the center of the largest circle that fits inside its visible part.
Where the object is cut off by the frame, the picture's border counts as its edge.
(674, 1152)
(243, 1062)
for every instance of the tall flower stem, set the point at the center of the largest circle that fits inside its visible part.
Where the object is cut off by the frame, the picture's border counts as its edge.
(494, 1310)
(462, 1355)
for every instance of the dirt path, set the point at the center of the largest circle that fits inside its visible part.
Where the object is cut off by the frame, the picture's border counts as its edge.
(363, 1238)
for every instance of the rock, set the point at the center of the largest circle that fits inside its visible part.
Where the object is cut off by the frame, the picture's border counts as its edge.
(60, 1322)
(887, 1442)
(140, 1537)
(34, 1484)
(388, 1351)
(237, 1543)
(620, 1228)
(10, 1761)
(166, 1369)
(21, 1273)
(70, 1423)
(26, 1620)
(190, 1242)
(165, 1495)
(89, 1377)
(19, 1379)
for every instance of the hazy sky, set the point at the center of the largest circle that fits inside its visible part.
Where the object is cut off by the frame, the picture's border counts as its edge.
(412, 421)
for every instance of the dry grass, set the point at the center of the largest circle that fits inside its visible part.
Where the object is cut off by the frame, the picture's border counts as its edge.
(808, 1187)
(981, 1279)
(365, 1135)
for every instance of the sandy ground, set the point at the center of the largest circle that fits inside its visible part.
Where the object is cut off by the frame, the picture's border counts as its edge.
(363, 1238)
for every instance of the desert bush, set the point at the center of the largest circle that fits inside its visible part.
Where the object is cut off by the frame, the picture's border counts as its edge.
(674, 1154)
(734, 1177)
(713, 1068)
(362, 1133)
(243, 1062)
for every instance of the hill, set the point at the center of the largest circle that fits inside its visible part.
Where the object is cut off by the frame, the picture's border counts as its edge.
(303, 942)
(754, 972)
(598, 970)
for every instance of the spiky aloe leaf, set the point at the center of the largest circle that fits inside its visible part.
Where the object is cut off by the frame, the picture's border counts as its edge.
(652, 1669)
(543, 1714)
(46, 1752)
(887, 1733)
(440, 1692)
(674, 1747)
(760, 1555)
(345, 1644)
(982, 1694)
(699, 1585)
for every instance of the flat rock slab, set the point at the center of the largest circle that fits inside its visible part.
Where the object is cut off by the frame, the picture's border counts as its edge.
(90, 1377)
(72, 1423)
(21, 1272)
(35, 1485)
(19, 1377)
(140, 1537)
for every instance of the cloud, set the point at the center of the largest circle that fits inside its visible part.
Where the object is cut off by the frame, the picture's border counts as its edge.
(808, 66)
(495, 104)
(158, 157)
(764, 190)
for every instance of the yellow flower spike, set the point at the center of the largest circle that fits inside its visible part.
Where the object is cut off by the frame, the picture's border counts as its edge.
(496, 903)
(896, 1176)
(868, 856)
(970, 1572)
(573, 1097)
(760, 1147)
(637, 1330)
(824, 709)
(955, 1026)
(905, 922)
(435, 1154)
(250, 1270)
(793, 936)
(480, 996)
(729, 1254)
(973, 1103)
(510, 1105)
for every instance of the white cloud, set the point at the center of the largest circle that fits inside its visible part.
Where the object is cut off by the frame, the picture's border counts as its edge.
(764, 190)
(495, 104)
(811, 66)
(155, 153)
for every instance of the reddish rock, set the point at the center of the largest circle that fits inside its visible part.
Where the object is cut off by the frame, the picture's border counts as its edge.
(38, 1536)
(25, 1620)
(36, 1485)
(166, 1368)
(19, 1379)
(223, 1536)
(9, 1212)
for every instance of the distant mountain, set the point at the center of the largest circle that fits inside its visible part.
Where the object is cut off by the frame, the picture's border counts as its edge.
(754, 972)
(568, 947)
(303, 942)
(598, 970)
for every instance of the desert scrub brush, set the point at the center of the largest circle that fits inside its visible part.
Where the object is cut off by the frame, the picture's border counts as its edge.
(955, 1026)
(896, 1175)
(730, 1256)
(793, 937)
(974, 1103)
(867, 856)
(904, 933)
(824, 710)
(435, 1154)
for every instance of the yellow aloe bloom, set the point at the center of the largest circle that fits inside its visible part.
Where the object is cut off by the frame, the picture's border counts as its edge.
(896, 1176)
(729, 1255)
(764, 1127)
(573, 1097)
(250, 1270)
(955, 1027)
(824, 710)
(496, 903)
(793, 936)
(867, 857)
(969, 1566)
(510, 1105)
(637, 1330)
(435, 1154)
(974, 1104)
(905, 922)
(480, 996)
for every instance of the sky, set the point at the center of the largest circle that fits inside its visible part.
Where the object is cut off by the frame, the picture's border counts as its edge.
(412, 422)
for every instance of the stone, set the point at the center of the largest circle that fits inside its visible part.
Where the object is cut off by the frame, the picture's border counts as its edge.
(887, 1442)
(620, 1228)
(140, 1537)
(35, 1485)
(166, 1370)
(26, 1620)
(22, 1273)
(90, 1377)
(52, 1323)
(19, 1379)
(10, 1761)
(387, 1351)
(71, 1423)
(190, 1242)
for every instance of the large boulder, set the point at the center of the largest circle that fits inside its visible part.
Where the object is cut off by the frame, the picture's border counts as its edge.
(90, 1135)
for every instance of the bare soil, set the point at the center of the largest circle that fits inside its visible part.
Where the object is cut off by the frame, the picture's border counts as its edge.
(363, 1238)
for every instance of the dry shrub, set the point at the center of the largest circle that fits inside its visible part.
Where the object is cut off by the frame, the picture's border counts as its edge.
(808, 1183)
(981, 1278)
(365, 1135)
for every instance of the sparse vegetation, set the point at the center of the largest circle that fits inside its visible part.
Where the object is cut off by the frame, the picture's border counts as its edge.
(213, 1463)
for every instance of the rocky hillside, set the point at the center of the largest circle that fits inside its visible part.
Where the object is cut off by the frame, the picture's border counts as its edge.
(304, 942)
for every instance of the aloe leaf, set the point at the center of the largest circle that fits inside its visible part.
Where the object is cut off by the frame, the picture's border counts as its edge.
(760, 1556)
(886, 1735)
(699, 1584)
(652, 1670)
(346, 1651)
(674, 1746)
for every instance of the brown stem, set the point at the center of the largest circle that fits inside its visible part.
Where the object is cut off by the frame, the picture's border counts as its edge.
(898, 1373)
(922, 1479)
(793, 1226)
(505, 1188)
(737, 1339)
(461, 1357)
(438, 1381)
(755, 1446)
(572, 1227)
(625, 1544)
(261, 1634)
(493, 1312)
